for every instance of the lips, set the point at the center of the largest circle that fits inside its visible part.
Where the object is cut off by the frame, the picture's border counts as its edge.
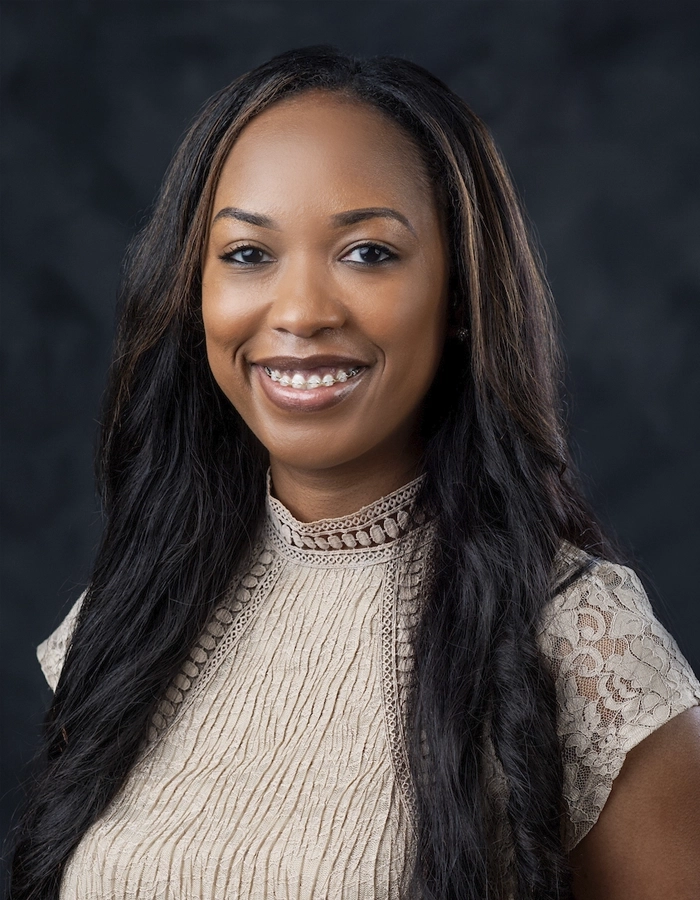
(310, 383)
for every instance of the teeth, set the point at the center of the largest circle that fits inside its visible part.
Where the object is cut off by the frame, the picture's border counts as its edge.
(300, 382)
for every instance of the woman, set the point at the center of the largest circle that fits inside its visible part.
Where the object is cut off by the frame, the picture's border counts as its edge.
(398, 664)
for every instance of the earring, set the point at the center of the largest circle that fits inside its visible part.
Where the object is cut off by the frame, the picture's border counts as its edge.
(462, 334)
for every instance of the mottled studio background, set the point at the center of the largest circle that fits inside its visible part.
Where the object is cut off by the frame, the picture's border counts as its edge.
(595, 105)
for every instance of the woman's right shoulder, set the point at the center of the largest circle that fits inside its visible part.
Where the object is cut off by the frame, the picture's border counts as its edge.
(51, 653)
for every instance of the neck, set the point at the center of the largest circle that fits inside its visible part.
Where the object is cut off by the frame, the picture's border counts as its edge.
(311, 495)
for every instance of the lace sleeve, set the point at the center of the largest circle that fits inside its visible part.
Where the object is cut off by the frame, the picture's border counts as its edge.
(619, 675)
(52, 652)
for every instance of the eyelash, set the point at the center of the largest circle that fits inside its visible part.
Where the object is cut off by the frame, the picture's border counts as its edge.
(229, 254)
(389, 257)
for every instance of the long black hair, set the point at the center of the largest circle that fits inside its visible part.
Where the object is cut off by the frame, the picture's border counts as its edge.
(182, 483)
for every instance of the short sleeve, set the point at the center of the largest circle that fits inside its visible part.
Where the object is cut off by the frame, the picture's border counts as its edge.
(619, 676)
(51, 653)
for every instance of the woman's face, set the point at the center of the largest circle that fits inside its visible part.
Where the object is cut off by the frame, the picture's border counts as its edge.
(324, 292)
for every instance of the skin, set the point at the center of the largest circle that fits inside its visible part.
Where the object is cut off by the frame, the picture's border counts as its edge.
(646, 842)
(301, 163)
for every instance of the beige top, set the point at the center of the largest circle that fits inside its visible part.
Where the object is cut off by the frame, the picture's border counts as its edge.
(275, 766)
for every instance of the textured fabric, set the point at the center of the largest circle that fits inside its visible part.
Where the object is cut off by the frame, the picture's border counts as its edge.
(52, 651)
(276, 766)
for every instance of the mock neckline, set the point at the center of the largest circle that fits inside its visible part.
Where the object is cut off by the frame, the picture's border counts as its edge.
(375, 525)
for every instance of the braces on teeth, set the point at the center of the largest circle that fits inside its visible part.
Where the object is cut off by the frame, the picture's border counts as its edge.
(301, 383)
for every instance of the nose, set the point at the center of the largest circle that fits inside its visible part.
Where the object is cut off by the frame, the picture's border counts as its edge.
(305, 301)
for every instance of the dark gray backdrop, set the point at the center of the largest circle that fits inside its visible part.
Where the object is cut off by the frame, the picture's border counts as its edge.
(595, 105)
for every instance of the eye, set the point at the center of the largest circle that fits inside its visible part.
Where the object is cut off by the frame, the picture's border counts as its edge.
(369, 255)
(246, 255)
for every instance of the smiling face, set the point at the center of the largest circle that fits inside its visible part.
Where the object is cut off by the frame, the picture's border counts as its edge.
(324, 288)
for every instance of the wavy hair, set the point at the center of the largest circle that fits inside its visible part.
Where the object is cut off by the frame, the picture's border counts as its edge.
(182, 485)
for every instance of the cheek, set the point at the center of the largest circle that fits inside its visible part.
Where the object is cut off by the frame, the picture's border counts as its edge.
(223, 335)
(228, 320)
(415, 335)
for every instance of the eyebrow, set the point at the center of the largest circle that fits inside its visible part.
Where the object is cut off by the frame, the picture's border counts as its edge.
(339, 220)
(353, 216)
(233, 212)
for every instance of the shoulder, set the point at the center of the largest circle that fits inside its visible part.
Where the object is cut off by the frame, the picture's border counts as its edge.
(619, 676)
(602, 621)
(51, 653)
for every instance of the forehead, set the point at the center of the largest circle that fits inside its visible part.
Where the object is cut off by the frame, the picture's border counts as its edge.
(320, 144)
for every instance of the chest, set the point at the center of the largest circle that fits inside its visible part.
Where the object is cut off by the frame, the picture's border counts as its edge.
(273, 773)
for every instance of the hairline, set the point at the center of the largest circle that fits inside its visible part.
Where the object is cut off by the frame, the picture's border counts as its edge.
(345, 93)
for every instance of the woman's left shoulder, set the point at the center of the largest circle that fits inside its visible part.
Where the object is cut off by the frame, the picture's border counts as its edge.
(619, 676)
(600, 620)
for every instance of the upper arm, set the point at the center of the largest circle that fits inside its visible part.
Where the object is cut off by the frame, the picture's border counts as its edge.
(646, 842)
(620, 681)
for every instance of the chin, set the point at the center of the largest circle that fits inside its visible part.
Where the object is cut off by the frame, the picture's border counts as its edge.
(319, 457)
